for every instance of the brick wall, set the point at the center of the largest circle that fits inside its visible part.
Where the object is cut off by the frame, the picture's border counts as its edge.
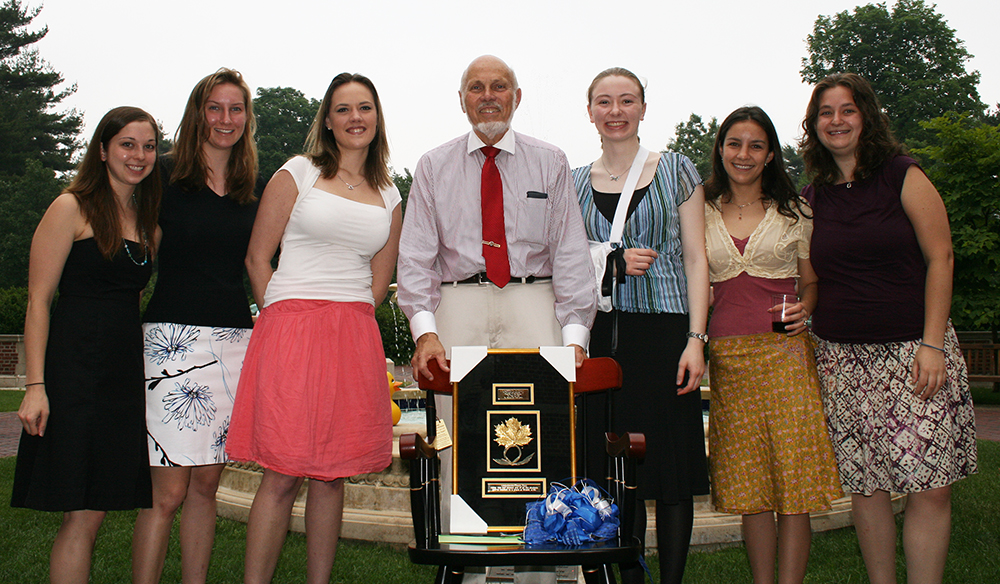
(8, 357)
(11, 348)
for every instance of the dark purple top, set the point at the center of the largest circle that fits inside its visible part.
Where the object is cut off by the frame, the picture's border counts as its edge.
(870, 267)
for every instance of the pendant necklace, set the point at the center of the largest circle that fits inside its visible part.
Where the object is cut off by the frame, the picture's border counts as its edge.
(613, 177)
(350, 187)
(740, 207)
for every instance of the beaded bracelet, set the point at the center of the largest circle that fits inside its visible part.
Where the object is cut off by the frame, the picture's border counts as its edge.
(922, 344)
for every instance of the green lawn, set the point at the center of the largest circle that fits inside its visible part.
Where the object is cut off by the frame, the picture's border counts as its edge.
(983, 395)
(26, 537)
(974, 556)
(10, 399)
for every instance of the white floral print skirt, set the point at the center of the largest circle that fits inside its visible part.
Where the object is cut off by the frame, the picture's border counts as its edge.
(191, 378)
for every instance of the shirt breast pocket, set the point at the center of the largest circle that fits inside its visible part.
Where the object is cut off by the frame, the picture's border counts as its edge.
(533, 218)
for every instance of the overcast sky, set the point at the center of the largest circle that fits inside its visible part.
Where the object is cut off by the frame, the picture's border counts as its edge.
(702, 56)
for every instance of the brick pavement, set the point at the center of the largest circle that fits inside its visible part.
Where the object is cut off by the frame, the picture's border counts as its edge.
(988, 423)
(10, 433)
(987, 428)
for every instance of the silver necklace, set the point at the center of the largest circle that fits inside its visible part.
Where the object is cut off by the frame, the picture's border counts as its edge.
(350, 187)
(740, 207)
(613, 177)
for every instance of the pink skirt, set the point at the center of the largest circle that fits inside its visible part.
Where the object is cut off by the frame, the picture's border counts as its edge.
(313, 399)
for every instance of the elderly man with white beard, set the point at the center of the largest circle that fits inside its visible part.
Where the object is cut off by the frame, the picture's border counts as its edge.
(493, 250)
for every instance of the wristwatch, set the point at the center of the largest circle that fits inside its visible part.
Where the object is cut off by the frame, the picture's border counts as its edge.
(700, 336)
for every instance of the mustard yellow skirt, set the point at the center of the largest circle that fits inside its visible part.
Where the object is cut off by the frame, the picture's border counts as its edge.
(769, 449)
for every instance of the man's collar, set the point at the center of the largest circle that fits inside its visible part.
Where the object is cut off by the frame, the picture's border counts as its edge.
(506, 143)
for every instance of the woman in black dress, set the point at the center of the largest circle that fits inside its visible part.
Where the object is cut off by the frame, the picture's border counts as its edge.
(197, 324)
(83, 448)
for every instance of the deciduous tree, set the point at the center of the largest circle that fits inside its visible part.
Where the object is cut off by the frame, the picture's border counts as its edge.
(403, 183)
(283, 115)
(695, 140)
(910, 55)
(794, 165)
(963, 162)
(23, 200)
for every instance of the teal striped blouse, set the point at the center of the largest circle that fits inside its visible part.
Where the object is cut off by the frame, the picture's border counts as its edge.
(655, 224)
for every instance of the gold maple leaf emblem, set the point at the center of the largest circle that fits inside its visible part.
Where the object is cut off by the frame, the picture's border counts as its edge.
(512, 433)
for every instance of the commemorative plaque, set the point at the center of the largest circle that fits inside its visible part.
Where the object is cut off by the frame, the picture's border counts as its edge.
(514, 435)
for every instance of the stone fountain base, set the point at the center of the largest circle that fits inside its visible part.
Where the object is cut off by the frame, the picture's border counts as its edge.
(377, 506)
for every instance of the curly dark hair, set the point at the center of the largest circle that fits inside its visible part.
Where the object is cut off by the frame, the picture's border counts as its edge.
(876, 144)
(775, 183)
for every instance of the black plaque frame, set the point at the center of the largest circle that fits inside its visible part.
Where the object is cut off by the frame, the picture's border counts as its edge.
(514, 435)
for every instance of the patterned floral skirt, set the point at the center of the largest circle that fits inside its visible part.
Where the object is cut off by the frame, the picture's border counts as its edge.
(191, 378)
(768, 445)
(884, 436)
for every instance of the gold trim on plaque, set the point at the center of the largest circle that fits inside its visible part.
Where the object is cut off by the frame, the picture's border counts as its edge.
(539, 490)
(505, 529)
(513, 389)
(507, 430)
(454, 439)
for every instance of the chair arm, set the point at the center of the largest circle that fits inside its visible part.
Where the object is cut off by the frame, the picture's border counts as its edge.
(424, 490)
(630, 445)
(441, 382)
(412, 447)
(598, 374)
(623, 453)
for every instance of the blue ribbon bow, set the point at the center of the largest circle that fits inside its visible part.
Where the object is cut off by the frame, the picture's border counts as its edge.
(571, 515)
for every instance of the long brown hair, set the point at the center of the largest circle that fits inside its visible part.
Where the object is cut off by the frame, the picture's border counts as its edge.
(190, 169)
(876, 144)
(321, 146)
(92, 187)
(775, 183)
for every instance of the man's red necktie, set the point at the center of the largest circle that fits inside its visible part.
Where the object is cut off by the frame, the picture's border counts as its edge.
(494, 239)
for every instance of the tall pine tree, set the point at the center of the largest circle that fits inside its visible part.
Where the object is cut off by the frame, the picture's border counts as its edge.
(29, 129)
(36, 142)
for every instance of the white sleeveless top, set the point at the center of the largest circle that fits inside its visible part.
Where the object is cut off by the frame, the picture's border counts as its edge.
(328, 243)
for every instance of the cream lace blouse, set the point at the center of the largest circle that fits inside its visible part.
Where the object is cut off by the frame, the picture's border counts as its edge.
(772, 252)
